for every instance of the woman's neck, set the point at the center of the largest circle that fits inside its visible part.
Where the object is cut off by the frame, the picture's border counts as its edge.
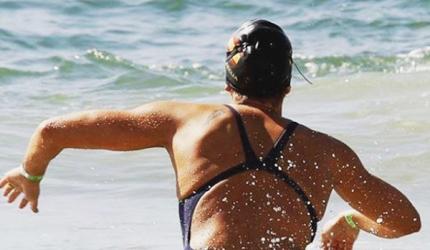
(271, 107)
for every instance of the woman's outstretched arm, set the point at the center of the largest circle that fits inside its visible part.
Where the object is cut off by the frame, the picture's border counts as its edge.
(151, 125)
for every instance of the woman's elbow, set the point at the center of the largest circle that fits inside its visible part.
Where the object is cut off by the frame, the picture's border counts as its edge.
(408, 227)
(48, 136)
(50, 133)
(47, 128)
(415, 225)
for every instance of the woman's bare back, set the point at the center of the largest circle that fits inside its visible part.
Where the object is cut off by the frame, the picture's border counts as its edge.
(253, 207)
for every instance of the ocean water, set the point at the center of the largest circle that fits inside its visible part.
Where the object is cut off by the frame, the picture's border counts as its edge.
(369, 61)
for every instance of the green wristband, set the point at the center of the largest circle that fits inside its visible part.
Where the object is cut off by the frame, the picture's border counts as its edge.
(32, 178)
(350, 221)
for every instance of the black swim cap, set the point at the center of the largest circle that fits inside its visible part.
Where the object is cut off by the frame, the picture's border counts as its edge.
(259, 59)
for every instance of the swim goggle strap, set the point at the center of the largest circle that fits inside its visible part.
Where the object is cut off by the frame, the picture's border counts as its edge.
(243, 47)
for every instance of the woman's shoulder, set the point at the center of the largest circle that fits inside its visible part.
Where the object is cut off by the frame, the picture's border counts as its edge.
(319, 139)
(183, 108)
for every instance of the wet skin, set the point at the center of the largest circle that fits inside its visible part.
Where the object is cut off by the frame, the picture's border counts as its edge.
(253, 209)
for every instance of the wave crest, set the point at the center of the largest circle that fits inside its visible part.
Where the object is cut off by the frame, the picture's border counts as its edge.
(417, 60)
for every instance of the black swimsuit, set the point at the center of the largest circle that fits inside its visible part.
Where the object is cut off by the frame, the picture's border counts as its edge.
(187, 205)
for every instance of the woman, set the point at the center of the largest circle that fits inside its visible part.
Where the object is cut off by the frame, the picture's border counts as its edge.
(247, 177)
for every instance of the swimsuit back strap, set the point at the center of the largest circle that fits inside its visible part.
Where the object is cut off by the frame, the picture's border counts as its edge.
(299, 191)
(273, 157)
(247, 148)
(278, 147)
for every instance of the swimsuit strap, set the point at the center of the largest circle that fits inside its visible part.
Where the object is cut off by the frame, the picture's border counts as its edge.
(269, 164)
(278, 147)
(187, 206)
(299, 191)
(247, 148)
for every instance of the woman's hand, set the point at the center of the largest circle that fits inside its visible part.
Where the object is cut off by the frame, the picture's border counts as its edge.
(338, 235)
(14, 184)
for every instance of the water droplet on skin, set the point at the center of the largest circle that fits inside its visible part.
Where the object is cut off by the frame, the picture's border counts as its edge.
(277, 209)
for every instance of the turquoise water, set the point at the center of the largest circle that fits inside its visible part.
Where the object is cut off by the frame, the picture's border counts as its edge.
(370, 62)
